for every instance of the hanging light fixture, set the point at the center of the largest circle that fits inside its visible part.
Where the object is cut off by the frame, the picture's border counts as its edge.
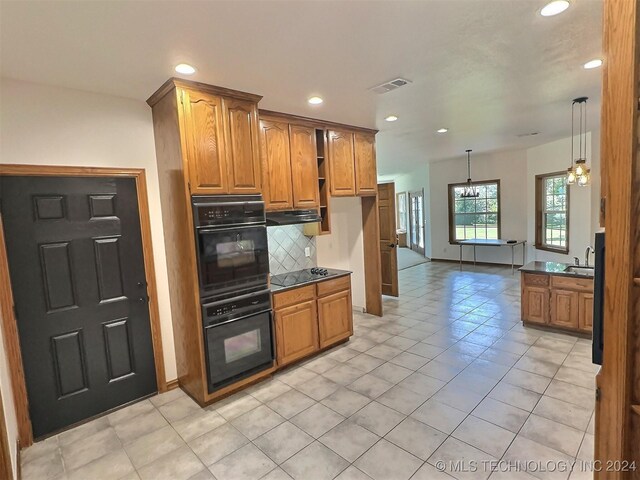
(470, 190)
(578, 173)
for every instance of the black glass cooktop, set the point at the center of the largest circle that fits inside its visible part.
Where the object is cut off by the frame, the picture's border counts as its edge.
(304, 276)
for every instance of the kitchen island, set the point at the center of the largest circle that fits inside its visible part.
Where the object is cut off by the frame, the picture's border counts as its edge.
(558, 296)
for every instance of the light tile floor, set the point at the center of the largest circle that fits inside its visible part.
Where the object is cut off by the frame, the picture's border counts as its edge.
(449, 374)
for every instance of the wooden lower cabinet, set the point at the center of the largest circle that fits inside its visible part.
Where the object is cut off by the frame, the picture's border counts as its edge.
(296, 332)
(335, 318)
(311, 318)
(535, 304)
(564, 308)
(558, 301)
(585, 311)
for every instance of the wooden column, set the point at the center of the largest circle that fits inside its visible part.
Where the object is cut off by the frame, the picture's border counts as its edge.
(618, 408)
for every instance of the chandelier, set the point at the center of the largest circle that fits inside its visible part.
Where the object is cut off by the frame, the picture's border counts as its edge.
(578, 173)
(470, 190)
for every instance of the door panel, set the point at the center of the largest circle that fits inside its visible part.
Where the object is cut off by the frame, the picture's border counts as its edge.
(304, 167)
(276, 165)
(365, 164)
(335, 318)
(296, 332)
(204, 133)
(243, 156)
(585, 311)
(343, 182)
(388, 253)
(564, 308)
(77, 271)
(535, 305)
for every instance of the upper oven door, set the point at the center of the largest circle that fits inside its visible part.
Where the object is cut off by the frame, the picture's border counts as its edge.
(232, 257)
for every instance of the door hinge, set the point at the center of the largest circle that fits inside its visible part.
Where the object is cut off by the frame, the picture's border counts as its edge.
(598, 394)
(603, 206)
(182, 97)
(189, 186)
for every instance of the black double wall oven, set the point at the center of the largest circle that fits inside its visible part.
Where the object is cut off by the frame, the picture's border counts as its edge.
(233, 271)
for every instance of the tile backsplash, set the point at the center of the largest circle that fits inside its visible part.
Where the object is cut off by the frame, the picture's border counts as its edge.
(286, 249)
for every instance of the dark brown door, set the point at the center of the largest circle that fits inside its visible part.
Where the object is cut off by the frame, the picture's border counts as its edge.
(388, 253)
(77, 270)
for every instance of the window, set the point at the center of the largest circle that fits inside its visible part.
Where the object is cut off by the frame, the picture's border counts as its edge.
(401, 211)
(552, 212)
(474, 217)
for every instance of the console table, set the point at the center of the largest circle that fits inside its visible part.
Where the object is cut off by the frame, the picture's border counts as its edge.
(481, 242)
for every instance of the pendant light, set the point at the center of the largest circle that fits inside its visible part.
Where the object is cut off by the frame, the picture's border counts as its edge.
(578, 173)
(470, 190)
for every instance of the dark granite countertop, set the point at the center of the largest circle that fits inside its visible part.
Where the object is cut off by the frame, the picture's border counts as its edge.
(553, 268)
(331, 273)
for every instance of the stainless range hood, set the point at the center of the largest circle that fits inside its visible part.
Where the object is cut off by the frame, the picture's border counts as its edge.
(290, 217)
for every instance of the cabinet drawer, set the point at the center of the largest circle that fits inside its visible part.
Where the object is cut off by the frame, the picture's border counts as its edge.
(536, 280)
(293, 296)
(337, 284)
(572, 283)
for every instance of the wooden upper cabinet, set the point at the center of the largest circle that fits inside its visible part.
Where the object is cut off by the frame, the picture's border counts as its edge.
(343, 181)
(243, 155)
(276, 165)
(204, 140)
(304, 166)
(365, 163)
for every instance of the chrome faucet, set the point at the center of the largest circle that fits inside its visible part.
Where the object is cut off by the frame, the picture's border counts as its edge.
(586, 255)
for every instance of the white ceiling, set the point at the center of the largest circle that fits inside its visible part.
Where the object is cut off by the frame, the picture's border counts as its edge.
(487, 69)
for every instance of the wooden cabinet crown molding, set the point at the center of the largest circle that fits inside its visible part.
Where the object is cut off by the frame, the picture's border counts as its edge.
(313, 122)
(174, 82)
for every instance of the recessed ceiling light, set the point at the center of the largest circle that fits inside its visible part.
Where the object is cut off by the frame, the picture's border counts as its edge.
(391, 118)
(315, 100)
(442, 130)
(554, 8)
(595, 63)
(185, 69)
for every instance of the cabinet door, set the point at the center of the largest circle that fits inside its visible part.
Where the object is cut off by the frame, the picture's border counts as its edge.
(365, 163)
(204, 138)
(276, 165)
(243, 156)
(535, 304)
(296, 332)
(585, 311)
(335, 318)
(564, 308)
(304, 167)
(343, 182)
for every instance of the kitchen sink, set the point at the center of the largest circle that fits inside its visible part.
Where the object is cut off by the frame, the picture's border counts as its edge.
(580, 270)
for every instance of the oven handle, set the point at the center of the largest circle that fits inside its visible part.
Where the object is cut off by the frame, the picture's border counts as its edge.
(252, 314)
(241, 297)
(216, 204)
(226, 228)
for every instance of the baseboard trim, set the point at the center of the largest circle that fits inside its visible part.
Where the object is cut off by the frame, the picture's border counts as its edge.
(470, 262)
(172, 384)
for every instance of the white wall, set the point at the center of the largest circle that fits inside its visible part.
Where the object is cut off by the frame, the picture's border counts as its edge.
(343, 249)
(584, 202)
(510, 168)
(56, 126)
(418, 179)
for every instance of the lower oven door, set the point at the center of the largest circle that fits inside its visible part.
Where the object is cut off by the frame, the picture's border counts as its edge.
(238, 348)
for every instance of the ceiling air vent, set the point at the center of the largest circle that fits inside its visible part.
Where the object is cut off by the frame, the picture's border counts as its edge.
(391, 85)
